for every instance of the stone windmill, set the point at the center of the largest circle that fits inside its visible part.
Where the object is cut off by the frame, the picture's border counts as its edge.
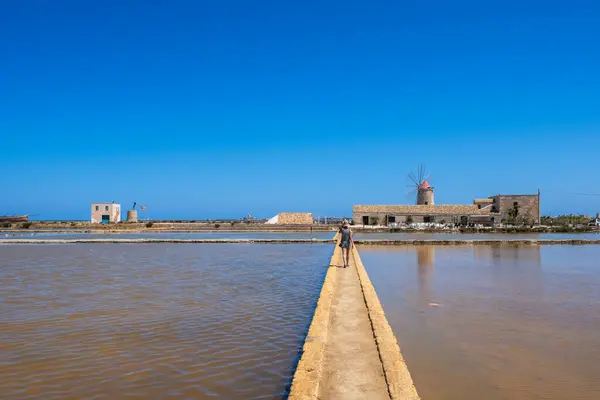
(421, 186)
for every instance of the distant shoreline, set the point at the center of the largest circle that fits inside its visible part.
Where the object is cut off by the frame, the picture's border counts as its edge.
(216, 226)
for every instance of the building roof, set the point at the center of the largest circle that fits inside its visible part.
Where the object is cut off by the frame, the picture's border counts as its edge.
(425, 185)
(442, 209)
(517, 195)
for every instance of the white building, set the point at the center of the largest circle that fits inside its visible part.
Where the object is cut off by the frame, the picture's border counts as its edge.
(106, 213)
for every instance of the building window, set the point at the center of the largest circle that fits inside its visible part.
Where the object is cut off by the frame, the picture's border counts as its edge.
(105, 208)
(97, 208)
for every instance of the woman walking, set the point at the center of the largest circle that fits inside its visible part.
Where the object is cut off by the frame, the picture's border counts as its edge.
(346, 243)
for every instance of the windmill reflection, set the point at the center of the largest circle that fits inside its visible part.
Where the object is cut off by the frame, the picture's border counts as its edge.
(425, 262)
(514, 268)
(509, 255)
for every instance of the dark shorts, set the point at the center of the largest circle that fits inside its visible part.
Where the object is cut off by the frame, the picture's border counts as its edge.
(345, 245)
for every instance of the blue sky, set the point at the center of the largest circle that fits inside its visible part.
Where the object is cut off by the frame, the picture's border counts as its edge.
(216, 109)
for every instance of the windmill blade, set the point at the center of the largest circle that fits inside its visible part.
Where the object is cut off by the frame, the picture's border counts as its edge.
(421, 173)
(410, 195)
(413, 178)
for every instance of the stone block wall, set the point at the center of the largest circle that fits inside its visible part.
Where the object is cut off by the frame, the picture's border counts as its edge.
(529, 206)
(295, 219)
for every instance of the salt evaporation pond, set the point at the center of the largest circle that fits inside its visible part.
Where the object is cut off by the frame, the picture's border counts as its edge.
(65, 235)
(475, 236)
(482, 322)
(155, 321)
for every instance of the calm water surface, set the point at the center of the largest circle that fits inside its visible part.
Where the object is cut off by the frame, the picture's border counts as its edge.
(483, 322)
(166, 235)
(481, 236)
(156, 321)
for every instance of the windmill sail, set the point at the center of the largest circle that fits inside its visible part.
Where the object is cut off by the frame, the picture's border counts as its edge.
(421, 189)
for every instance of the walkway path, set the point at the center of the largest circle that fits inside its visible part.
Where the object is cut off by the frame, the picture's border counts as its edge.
(350, 351)
(352, 368)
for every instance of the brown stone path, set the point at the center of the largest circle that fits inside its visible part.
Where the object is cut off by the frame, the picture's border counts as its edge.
(351, 366)
(350, 351)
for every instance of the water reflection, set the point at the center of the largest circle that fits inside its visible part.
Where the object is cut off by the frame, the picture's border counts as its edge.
(507, 255)
(154, 321)
(513, 322)
(425, 264)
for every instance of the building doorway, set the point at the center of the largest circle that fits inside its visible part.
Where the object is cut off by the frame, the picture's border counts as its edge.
(365, 220)
(105, 219)
(391, 219)
(428, 219)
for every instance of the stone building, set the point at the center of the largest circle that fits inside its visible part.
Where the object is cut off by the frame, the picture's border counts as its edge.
(488, 211)
(517, 207)
(425, 194)
(441, 214)
(106, 213)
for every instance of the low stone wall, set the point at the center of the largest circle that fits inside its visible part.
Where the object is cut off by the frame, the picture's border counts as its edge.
(433, 242)
(516, 242)
(197, 241)
(305, 385)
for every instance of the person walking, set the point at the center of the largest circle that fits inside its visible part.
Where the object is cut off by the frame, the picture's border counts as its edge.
(346, 242)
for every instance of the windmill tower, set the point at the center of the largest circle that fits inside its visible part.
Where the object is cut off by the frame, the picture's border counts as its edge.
(421, 186)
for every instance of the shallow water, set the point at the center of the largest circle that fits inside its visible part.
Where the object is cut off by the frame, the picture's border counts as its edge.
(165, 235)
(155, 321)
(482, 322)
(475, 236)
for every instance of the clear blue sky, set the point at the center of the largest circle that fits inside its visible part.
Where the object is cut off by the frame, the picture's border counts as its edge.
(219, 108)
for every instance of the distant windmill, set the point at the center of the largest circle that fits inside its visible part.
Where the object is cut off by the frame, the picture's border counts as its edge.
(420, 186)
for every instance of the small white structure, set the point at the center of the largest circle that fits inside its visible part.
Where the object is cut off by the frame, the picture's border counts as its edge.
(274, 220)
(106, 213)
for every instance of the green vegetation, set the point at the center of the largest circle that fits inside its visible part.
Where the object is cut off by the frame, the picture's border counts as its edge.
(566, 220)
(7, 225)
(25, 225)
(217, 226)
(375, 221)
(409, 220)
(513, 214)
(149, 224)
